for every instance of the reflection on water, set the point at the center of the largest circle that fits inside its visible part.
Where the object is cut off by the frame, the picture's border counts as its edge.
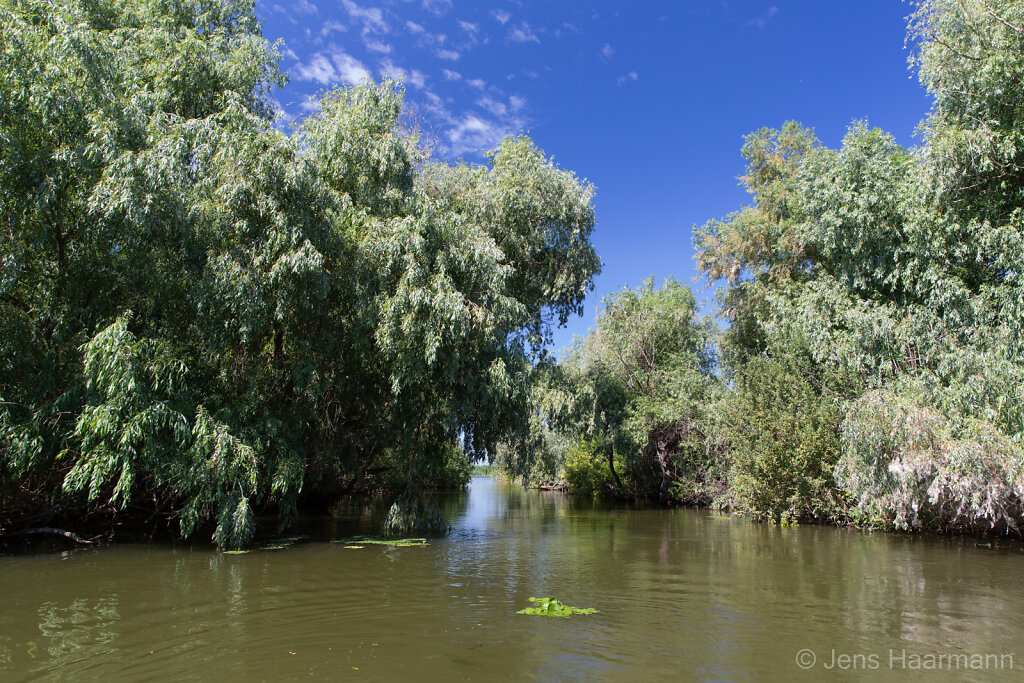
(80, 629)
(681, 593)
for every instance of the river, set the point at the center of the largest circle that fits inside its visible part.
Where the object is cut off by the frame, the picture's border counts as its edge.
(683, 594)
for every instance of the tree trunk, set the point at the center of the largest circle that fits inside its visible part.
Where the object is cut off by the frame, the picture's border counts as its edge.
(666, 476)
(611, 466)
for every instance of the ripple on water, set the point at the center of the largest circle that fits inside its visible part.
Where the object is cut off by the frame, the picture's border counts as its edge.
(679, 594)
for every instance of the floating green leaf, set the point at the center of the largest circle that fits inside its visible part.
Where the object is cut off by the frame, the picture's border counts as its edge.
(549, 607)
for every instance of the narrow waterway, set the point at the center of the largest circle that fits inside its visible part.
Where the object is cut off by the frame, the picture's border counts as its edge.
(682, 594)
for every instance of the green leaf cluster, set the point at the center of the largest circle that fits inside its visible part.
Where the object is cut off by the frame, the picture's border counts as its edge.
(549, 607)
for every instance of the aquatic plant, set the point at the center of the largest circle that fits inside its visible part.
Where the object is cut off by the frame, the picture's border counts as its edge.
(549, 607)
(359, 541)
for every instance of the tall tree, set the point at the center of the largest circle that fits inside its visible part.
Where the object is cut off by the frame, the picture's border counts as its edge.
(204, 315)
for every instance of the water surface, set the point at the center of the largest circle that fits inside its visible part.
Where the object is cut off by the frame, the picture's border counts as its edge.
(682, 594)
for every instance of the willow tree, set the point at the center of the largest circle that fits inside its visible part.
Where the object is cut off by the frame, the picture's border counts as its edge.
(953, 421)
(897, 273)
(205, 317)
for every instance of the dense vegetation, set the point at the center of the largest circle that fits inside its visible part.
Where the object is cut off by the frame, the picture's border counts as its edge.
(872, 368)
(203, 317)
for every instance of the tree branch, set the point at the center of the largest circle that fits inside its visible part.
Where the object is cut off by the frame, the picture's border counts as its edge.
(47, 530)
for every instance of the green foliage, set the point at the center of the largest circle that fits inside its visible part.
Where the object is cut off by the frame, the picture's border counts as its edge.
(900, 269)
(586, 468)
(781, 422)
(626, 412)
(205, 315)
(757, 249)
(549, 607)
(908, 466)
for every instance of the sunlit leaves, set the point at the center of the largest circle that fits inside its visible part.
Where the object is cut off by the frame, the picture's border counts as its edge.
(212, 317)
(901, 267)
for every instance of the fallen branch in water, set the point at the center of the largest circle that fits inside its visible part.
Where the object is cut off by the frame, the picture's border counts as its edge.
(47, 530)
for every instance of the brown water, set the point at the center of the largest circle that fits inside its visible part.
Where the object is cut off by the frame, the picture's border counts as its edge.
(682, 594)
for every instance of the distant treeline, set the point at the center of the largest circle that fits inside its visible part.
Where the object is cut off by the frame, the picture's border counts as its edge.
(872, 369)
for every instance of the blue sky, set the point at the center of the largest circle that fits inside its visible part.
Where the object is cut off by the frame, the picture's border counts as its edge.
(648, 100)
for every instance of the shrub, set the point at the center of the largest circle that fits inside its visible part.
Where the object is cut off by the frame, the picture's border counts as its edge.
(781, 423)
(587, 470)
(907, 466)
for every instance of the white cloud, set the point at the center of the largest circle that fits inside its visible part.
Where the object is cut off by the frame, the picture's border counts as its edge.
(335, 66)
(477, 83)
(501, 16)
(377, 46)
(413, 27)
(310, 105)
(450, 75)
(522, 34)
(289, 53)
(436, 103)
(432, 39)
(495, 107)
(437, 7)
(389, 69)
(319, 69)
(418, 78)
(304, 7)
(607, 51)
(282, 10)
(332, 25)
(450, 55)
(626, 78)
(472, 32)
(472, 133)
(350, 68)
(372, 18)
